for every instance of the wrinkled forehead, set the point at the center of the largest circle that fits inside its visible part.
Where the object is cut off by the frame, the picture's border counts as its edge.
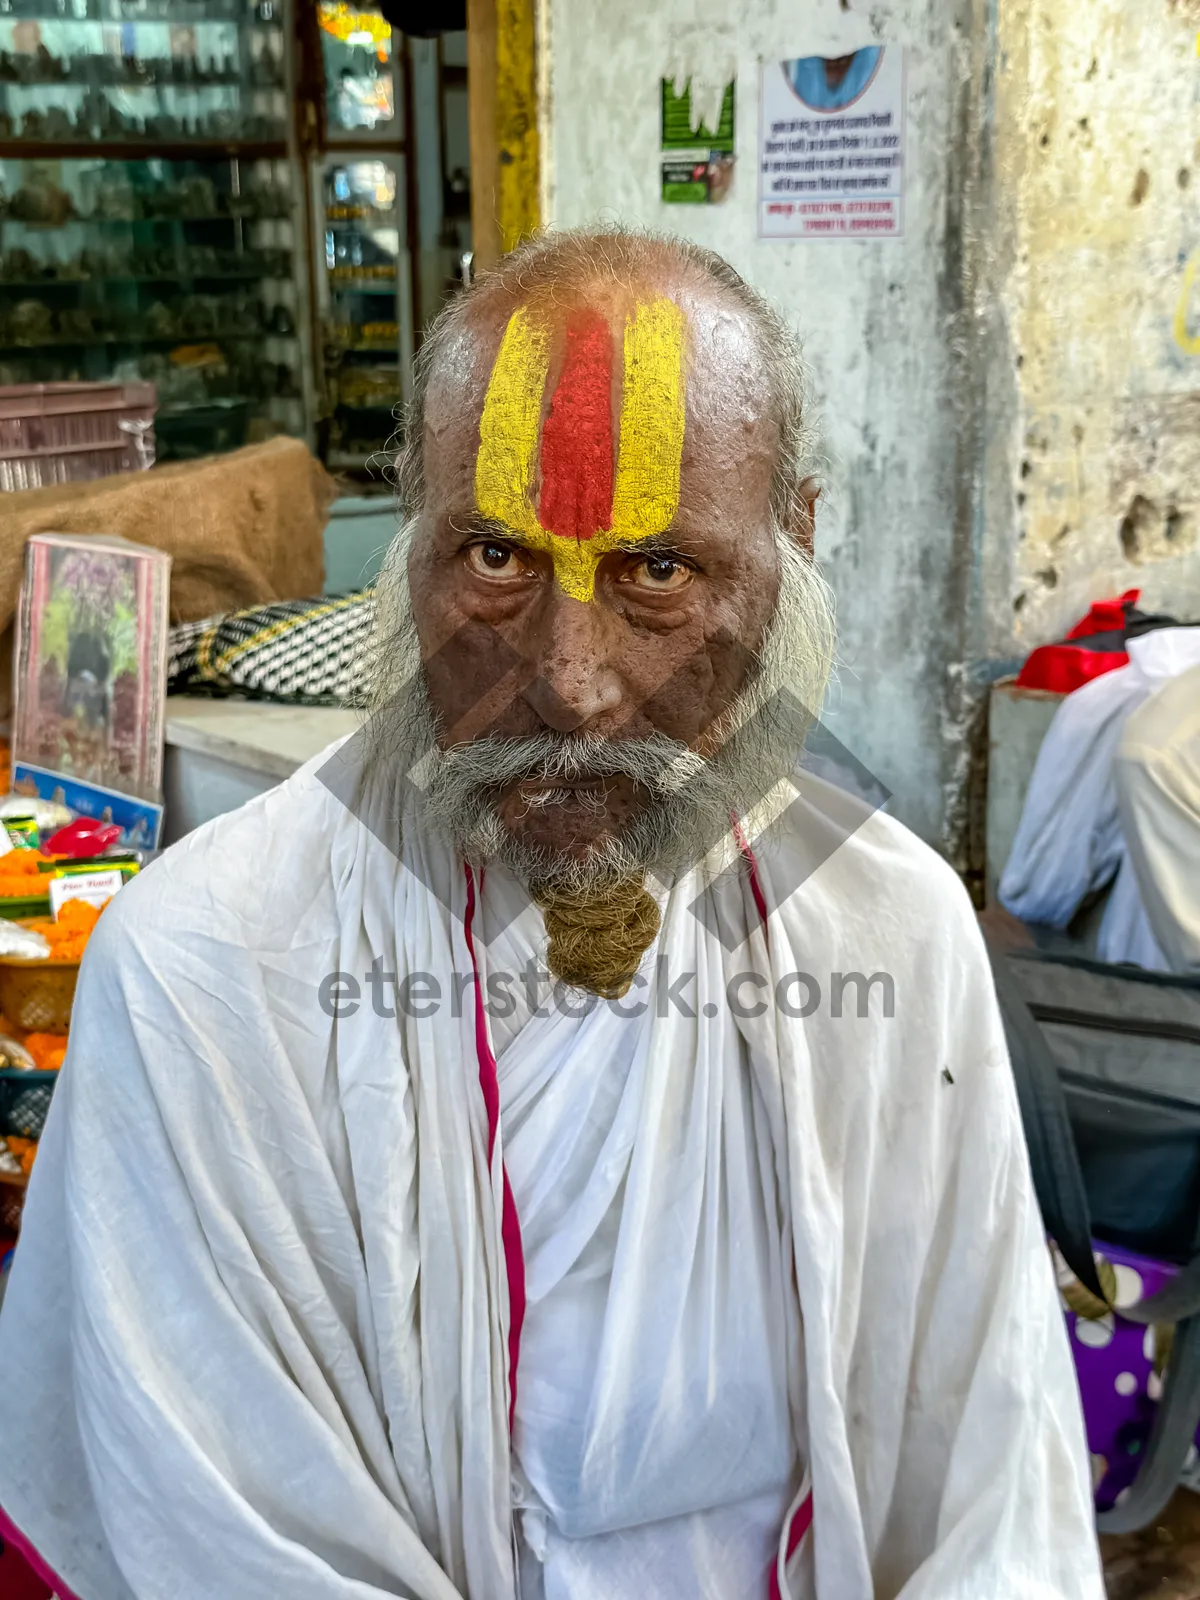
(586, 425)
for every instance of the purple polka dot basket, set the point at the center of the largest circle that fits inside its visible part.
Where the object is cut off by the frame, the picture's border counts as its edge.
(1120, 1368)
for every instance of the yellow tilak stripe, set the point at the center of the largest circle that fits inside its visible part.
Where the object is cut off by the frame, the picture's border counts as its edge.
(646, 492)
(508, 428)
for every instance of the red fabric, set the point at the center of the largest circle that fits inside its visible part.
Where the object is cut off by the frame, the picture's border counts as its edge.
(1064, 668)
(577, 438)
(510, 1226)
(1106, 616)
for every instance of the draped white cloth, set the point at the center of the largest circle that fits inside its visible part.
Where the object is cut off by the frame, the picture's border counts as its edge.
(655, 1447)
(1156, 774)
(261, 1306)
(1069, 841)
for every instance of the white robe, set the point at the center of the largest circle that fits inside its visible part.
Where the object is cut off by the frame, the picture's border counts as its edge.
(262, 1303)
(654, 1444)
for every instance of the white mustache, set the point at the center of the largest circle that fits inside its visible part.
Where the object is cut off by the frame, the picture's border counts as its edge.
(587, 799)
(660, 764)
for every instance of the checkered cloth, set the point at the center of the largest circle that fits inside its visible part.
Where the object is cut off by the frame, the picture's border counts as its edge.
(309, 652)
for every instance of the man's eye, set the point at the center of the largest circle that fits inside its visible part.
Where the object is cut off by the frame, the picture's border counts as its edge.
(662, 573)
(492, 559)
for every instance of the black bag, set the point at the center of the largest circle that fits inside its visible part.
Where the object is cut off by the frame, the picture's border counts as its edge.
(1107, 1067)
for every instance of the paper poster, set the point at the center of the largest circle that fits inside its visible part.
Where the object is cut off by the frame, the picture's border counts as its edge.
(831, 162)
(697, 165)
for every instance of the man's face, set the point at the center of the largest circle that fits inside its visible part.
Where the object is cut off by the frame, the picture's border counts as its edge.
(595, 556)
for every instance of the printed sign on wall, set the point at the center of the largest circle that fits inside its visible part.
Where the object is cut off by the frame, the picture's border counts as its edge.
(831, 163)
(697, 166)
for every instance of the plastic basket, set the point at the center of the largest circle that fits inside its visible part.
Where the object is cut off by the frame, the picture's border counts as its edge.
(37, 995)
(71, 432)
(12, 1203)
(25, 1101)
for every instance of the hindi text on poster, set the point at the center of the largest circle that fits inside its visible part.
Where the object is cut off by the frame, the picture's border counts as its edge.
(831, 163)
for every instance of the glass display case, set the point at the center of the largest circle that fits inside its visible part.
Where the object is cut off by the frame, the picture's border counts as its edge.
(364, 303)
(148, 72)
(362, 86)
(147, 210)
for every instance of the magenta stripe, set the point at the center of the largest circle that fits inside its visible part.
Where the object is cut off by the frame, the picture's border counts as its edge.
(510, 1226)
(800, 1524)
(11, 1534)
(803, 1515)
(756, 888)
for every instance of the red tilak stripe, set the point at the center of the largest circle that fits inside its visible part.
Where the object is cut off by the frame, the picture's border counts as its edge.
(577, 438)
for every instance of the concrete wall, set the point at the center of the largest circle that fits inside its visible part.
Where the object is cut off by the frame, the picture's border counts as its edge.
(1012, 424)
(1093, 481)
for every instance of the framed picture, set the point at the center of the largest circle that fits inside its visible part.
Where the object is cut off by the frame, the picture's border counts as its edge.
(90, 671)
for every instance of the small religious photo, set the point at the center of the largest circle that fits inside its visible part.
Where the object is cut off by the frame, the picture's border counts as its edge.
(90, 670)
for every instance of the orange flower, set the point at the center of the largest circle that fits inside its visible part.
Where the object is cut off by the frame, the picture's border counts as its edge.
(47, 1049)
(20, 874)
(24, 1149)
(68, 936)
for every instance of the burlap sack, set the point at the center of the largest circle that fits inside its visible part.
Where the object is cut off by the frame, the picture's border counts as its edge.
(241, 529)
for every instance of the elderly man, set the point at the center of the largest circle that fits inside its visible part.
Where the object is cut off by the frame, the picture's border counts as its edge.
(471, 1177)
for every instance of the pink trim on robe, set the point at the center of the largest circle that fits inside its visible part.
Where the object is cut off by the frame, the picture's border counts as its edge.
(802, 1517)
(800, 1524)
(14, 1538)
(510, 1226)
(756, 888)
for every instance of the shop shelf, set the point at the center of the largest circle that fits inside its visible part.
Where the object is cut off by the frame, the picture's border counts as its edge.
(140, 339)
(148, 148)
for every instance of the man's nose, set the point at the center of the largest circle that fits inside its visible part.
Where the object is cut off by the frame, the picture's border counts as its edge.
(574, 684)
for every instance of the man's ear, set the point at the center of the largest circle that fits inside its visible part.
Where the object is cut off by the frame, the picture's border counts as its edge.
(804, 516)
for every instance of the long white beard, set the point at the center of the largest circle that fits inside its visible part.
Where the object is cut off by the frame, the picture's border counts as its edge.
(687, 800)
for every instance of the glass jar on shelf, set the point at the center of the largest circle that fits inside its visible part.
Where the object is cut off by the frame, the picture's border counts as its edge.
(174, 73)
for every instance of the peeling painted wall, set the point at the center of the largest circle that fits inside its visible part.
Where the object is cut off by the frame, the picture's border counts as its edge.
(1093, 475)
(878, 319)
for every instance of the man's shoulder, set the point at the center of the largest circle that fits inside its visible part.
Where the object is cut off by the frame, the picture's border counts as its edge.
(858, 891)
(833, 847)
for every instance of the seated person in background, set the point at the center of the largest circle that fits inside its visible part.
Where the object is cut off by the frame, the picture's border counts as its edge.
(1070, 844)
(1157, 779)
(479, 1184)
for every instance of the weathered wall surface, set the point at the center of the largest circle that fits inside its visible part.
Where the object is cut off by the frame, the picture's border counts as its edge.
(877, 319)
(1011, 392)
(1093, 472)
